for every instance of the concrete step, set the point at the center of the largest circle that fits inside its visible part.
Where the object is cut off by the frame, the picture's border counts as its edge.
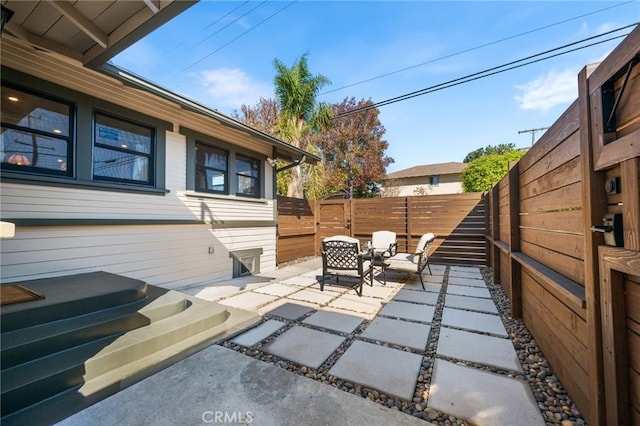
(71, 296)
(30, 343)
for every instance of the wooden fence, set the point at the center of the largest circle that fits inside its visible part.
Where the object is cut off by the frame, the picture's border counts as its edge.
(579, 297)
(456, 219)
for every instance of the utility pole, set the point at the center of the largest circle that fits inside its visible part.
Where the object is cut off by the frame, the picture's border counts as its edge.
(533, 133)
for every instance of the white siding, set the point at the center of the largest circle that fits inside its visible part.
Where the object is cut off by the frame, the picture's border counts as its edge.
(169, 256)
(406, 187)
(176, 160)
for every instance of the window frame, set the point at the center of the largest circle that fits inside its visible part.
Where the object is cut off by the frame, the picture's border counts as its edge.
(150, 156)
(225, 190)
(193, 136)
(69, 138)
(239, 175)
(84, 107)
(434, 180)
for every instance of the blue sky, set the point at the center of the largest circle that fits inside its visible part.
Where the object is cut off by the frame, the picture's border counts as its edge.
(220, 53)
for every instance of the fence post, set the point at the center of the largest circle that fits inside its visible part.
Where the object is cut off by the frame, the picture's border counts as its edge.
(514, 241)
(408, 219)
(495, 250)
(594, 206)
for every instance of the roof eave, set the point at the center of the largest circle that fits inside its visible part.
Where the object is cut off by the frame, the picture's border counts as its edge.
(283, 149)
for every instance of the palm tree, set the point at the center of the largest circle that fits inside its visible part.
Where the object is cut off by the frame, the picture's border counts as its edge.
(296, 91)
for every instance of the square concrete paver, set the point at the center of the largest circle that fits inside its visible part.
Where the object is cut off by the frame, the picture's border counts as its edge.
(423, 297)
(467, 281)
(314, 296)
(291, 311)
(301, 281)
(334, 321)
(476, 275)
(469, 393)
(473, 303)
(464, 290)
(409, 311)
(304, 346)
(259, 333)
(398, 332)
(277, 289)
(473, 321)
(249, 300)
(415, 285)
(353, 302)
(378, 291)
(388, 370)
(478, 348)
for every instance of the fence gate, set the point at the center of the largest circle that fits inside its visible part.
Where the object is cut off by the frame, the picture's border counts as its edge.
(334, 218)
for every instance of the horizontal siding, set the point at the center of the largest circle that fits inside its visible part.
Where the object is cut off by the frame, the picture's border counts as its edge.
(168, 256)
(45, 202)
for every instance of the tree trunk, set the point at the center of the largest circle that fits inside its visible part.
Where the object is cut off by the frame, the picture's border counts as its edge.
(295, 184)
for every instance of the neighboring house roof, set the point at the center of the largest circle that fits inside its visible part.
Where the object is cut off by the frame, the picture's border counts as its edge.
(428, 170)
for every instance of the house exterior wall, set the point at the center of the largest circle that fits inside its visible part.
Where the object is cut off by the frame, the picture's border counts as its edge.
(170, 238)
(419, 185)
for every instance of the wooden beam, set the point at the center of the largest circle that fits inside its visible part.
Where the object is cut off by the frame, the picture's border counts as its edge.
(594, 205)
(82, 22)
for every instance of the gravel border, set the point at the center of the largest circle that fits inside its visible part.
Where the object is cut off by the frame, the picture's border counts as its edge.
(553, 401)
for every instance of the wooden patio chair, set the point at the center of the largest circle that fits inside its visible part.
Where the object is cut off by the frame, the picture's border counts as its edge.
(341, 257)
(413, 262)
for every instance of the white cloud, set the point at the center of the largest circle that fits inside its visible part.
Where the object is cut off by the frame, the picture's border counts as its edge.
(545, 92)
(232, 87)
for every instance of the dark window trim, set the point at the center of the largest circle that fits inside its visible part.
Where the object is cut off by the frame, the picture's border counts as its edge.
(225, 190)
(192, 136)
(85, 105)
(260, 178)
(151, 156)
(70, 138)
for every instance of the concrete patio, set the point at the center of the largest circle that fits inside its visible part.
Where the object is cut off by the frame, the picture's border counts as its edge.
(387, 341)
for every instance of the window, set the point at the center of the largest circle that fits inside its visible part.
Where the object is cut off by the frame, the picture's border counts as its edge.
(37, 134)
(247, 176)
(211, 169)
(123, 151)
(434, 180)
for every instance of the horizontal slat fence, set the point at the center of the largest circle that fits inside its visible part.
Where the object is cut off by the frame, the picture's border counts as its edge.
(572, 294)
(457, 220)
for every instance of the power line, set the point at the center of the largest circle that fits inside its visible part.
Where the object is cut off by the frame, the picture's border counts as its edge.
(490, 71)
(241, 35)
(473, 48)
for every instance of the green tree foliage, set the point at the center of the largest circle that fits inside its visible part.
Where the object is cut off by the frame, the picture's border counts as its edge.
(484, 171)
(353, 151)
(300, 115)
(503, 148)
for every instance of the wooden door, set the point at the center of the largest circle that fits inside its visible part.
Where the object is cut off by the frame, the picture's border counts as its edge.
(620, 297)
(334, 218)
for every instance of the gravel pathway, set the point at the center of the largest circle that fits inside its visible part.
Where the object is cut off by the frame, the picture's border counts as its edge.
(553, 401)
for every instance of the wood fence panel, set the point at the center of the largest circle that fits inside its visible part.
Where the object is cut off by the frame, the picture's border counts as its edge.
(573, 299)
(547, 318)
(296, 229)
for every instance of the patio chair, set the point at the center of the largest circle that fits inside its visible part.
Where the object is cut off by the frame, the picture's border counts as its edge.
(383, 246)
(341, 257)
(413, 262)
